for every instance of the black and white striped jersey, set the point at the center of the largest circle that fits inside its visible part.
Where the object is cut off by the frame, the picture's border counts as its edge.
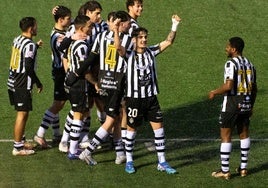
(56, 55)
(22, 48)
(141, 75)
(70, 31)
(133, 25)
(77, 52)
(242, 72)
(112, 66)
(97, 28)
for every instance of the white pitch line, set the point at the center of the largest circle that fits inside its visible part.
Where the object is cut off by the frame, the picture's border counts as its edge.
(172, 139)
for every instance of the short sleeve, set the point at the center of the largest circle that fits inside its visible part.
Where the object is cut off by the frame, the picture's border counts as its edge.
(229, 70)
(30, 51)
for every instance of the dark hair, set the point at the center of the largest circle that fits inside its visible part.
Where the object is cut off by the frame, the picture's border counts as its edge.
(62, 12)
(132, 2)
(111, 15)
(123, 15)
(80, 21)
(27, 22)
(90, 5)
(137, 31)
(237, 43)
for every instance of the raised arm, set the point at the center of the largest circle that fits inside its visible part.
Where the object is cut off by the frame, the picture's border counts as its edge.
(171, 36)
(117, 42)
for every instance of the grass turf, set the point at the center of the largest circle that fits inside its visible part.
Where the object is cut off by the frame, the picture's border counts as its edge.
(187, 71)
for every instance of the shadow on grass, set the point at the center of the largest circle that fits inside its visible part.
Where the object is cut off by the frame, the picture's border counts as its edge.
(197, 120)
(191, 122)
(259, 168)
(181, 153)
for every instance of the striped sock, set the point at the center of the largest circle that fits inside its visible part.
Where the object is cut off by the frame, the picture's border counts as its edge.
(245, 147)
(67, 127)
(75, 135)
(119, 147)
(48, 118)
(159, 141)
(225, 152)
(98, 138)
(129, 145)
(123, 134)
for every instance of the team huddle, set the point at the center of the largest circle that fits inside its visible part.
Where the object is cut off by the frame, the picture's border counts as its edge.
(107, 63)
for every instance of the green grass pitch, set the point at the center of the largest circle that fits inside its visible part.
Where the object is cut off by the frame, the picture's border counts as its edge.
(186, 71)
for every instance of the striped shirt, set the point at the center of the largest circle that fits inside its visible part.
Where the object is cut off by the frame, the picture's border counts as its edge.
(242, 72)
(141, 73)
(112, 66)
(97, 28)
(70, 31)
(54, 44)
(77, 52)
(133, 25)
(22, 48)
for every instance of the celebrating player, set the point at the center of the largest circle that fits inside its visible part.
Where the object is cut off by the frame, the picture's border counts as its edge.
(62, 18)
(141, 91)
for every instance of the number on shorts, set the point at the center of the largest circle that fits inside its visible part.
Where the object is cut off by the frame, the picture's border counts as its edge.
(132, 112)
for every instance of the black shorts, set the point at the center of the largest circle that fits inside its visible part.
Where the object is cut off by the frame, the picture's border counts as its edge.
(112, 102)
(142, 108)
(21, 99)
(59, 91)
(78, 96)
(233, 119)
(92, 91)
